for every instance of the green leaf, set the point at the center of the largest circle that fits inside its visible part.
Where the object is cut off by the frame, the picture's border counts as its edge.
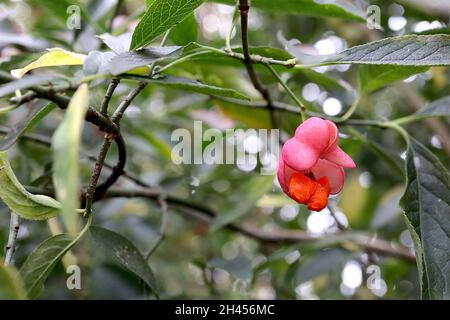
(185, 32)
(37, 112)
(11, 287)
(161, 16)
(131, 60)
(41, 262)
(24, 83)
(120, 250)
(374, 77)
(19, 200)
(194, 86)
(66, 148)
(239, 267)
(438, 108)
(410, 50)
(325, 8)
(242, 200)
(426, 203)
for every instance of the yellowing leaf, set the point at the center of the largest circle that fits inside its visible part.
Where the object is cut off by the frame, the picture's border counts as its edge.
(54, 57)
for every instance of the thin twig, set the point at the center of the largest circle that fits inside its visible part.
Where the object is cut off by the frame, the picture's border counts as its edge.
(289, 92)
(95, 192)
(276, 236)
(97, 171)
(45, 141)
(162, 230)
(12, 237)
(118, 114)
(244, 8)
(350, 111)
(108, 95)
(336, 219)
(116, 171)
(92, 115)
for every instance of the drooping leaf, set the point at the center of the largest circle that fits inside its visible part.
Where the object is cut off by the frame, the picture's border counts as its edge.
(323, 8)
(194, 86)
(24, 83)
(54, 57)
(374, 77)
(120, 250)
(409, 50)
(242, 200)
(426, 204)
(37, 112)
(66, 148)
(185, 32)
(131, 60)
(19, 200)
(160, 17)
(11, 287)
(42, 260)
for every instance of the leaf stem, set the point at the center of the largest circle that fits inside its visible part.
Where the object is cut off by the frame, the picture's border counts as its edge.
(289, 92)
(96, 172)
(180, 60)
(244, 8)
(399, 129)
(230, 31)
(350, 111)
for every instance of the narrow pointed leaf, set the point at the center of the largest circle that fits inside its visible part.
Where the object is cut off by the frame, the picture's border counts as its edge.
(438, 108)
(66, 148)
